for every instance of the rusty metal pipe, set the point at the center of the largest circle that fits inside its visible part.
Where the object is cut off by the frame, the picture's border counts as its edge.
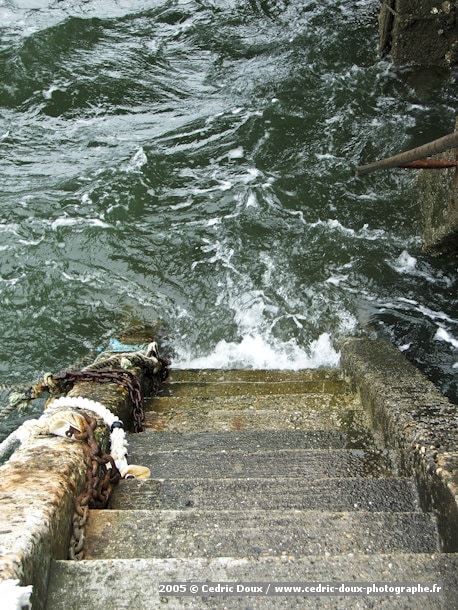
(415, 154)
(430, 164)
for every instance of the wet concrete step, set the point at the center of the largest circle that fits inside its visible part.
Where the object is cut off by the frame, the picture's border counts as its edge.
(199, 533)
(186, 422)
(378, 495)
(257, 413)
(248, 388)
(287, 463)
(262, 402)
(209, 383)
(133, 584)
(195, 376)
(250, 440)
(214, 400)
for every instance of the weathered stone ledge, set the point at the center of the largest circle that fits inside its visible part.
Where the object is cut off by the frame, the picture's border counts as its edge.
(38, 486)
(416, 420)
(439, 203)
(39, 482)
(37, 489)
(419, 32)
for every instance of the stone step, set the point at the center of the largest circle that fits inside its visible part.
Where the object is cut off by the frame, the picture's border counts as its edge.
(133, 584)
(252, 388)
(198, 533)
(286, 463)
(211, 383)
(262, 413)
(324, 375)
(378, 495)
(258, 402)
(250, 440)
(188, 422)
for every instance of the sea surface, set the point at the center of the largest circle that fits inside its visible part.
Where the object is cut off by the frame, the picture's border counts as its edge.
(191, 162)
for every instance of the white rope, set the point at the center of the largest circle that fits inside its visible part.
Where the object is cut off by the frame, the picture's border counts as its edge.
(31, 427)
(118, 442)
(13, 596)
(51, 423)
(78, 402)
(8, 445)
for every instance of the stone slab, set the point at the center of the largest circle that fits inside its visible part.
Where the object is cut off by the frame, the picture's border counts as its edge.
(287, 463)
(415, 419)
(253, 440)
(390, 494)
(197, 533)
(133, 584)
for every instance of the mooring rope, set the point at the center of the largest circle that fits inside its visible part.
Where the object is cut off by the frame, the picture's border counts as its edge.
(14, 400)
(19, 395)
(146, 355)
(118, 442)
(31, 427)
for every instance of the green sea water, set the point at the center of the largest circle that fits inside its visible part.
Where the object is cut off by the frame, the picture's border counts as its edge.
(191, 162)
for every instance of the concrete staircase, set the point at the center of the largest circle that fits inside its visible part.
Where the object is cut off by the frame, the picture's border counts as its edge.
(257, 477)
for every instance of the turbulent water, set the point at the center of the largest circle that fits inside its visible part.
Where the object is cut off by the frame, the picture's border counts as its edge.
(191, 162)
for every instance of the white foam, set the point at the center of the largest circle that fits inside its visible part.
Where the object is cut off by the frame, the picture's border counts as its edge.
(434, 315)
(416, 306)
(224, 185)
(48, 93)
(251, 201)
(325, 156)
(236, 153)
(336, 279)
(364, 233)
(405, 263)
(251, 175)
(408, 265)
(253, 351)
(137, 161)
(443, 335)
(211, 222)
(405, 347)
(71, 222)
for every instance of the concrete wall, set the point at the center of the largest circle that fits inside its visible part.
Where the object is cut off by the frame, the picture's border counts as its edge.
(439, 202)
(414, 419)
(419, 32)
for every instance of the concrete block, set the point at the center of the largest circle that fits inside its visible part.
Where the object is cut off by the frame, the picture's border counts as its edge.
(416, 420)
(439, 202)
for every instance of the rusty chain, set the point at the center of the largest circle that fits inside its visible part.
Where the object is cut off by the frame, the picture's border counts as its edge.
(101, 372)
(100, 480)
(101, 471)
(122, 377)
(93, 373)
